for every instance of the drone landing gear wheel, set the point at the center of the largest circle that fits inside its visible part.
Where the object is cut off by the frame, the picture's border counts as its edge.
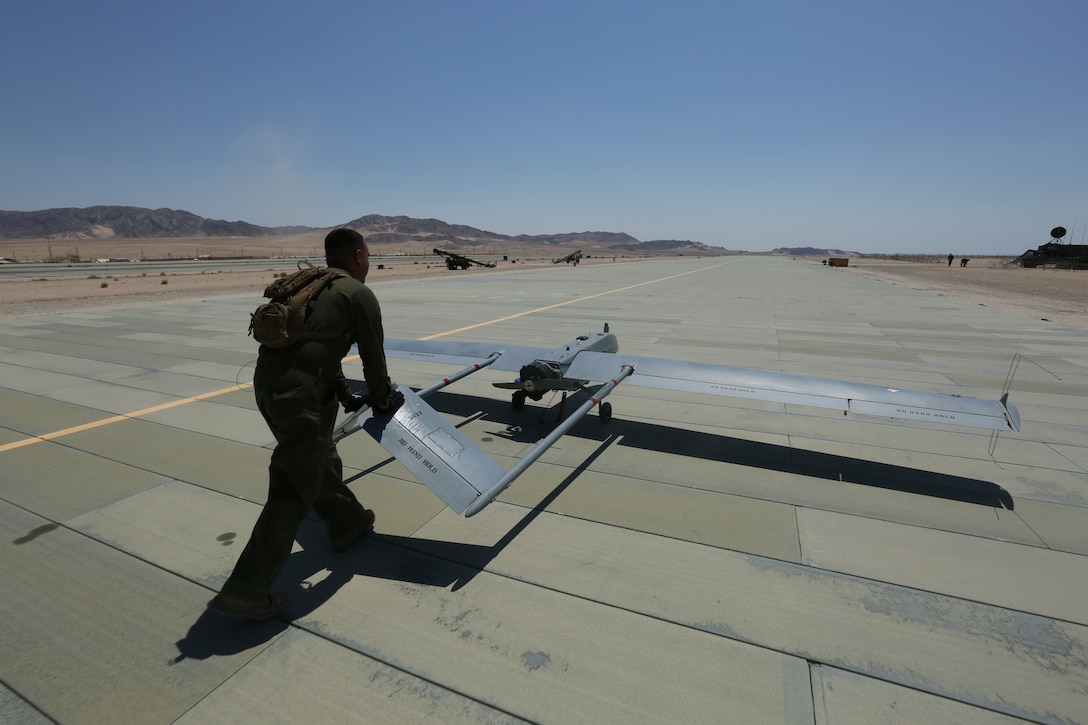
(518, 399)
(605, 413)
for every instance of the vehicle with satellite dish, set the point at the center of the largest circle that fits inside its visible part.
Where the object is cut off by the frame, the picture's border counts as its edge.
(1055, 254)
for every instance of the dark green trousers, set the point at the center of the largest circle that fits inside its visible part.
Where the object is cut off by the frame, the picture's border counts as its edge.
(305, 474)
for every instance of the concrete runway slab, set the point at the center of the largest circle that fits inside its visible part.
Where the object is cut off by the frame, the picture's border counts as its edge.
(319, 668)
(695, 560)
(34, 415)
(91, 634)
(960, 565)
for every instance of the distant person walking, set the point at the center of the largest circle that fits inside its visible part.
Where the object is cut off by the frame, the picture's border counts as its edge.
(950, 258)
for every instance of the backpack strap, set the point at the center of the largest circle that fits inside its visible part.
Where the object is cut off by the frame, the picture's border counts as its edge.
(326, 278)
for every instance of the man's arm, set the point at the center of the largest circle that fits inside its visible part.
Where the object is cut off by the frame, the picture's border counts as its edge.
(370, 338)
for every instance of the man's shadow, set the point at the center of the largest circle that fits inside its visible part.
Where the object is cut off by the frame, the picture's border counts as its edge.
(213, 635)
(408, 559)
(314, 574)
(427, 562)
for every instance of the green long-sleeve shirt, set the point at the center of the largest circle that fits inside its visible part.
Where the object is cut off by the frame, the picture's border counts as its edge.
(349, 306)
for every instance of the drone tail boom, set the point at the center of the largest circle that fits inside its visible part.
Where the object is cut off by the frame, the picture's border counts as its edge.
(454, 468)
(499, 486)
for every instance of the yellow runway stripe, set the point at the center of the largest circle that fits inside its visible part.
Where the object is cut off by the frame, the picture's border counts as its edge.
(243, 386)
(119, 418)
(563, 304)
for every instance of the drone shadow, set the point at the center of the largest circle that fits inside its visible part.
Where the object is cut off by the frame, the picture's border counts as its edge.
(313, 574)
(529, 426)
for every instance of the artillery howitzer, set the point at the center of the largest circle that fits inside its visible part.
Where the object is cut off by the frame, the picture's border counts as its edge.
(458, 261)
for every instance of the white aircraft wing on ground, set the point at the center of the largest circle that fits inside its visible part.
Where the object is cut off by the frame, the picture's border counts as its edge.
(778, 387)
(512, 357)
(467, 479)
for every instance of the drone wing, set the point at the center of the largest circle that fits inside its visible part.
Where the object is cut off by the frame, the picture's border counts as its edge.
(467, 479)
(861, 398)
(511, 357)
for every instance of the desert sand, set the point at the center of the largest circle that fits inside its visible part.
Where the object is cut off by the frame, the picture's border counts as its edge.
(1053, 295)
(97, 286)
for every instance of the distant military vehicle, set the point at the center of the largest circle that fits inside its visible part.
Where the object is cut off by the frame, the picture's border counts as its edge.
(458, 261)
(572, 258)
(1055, 254)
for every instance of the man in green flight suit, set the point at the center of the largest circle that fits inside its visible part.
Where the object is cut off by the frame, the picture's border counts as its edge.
(298, 389)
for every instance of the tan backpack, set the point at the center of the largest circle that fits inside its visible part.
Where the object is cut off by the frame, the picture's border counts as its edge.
(281, 321)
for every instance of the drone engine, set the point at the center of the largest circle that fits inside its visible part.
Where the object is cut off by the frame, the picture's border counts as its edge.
(538, 370)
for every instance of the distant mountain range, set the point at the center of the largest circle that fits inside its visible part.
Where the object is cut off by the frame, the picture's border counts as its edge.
(130, 222)
(813, 252)
(126, 222)
(392, 229)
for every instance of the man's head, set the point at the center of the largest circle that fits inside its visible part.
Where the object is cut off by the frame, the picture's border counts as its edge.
(346, 249)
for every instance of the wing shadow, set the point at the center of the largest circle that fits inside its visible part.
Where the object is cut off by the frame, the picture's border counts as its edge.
(428, 562)
(528, 426)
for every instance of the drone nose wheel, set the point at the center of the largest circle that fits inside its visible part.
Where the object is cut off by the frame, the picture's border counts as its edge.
(605, 413)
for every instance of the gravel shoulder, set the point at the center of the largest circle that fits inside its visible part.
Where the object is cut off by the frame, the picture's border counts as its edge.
(1054, 295)
(98, 288)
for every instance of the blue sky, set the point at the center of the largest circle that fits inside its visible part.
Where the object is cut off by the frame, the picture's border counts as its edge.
(915, 126)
